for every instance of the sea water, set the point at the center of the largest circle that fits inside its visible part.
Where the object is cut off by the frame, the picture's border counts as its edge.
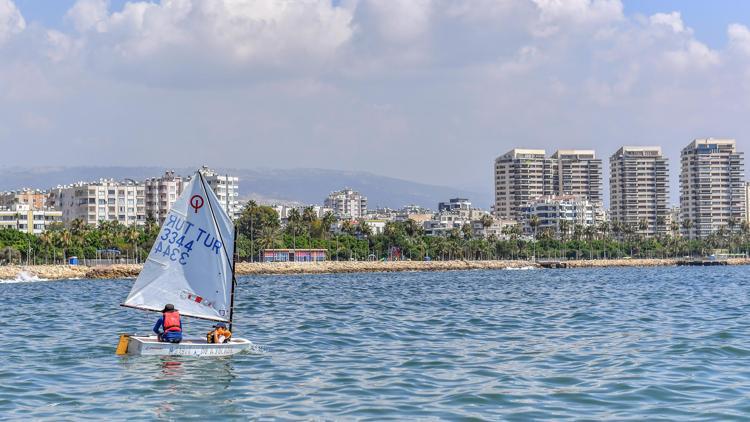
(669, 343)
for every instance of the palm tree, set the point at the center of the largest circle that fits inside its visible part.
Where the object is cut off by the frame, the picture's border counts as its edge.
(46, 239)
(534, 222)
(293, 221)
(744, 229)
(577, 231)
(9, 255)
(590, 232)
(687, 224)
(617, 229)
(133, 235)
(487, 220)
(328, 220)
(309, 215)
(348, 227)
(78, 227)
(563, 228)
(151, 226)
(674, 227)
(269, 238)
(365, 229)
(65, 238)
(661, 222)
(603, 228)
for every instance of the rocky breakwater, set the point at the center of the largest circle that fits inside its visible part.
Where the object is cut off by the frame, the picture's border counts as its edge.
(651, 262)
(58, 272)
(248, 268)
(593, 263)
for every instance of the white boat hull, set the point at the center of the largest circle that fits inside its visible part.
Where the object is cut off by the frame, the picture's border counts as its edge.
(151, 346)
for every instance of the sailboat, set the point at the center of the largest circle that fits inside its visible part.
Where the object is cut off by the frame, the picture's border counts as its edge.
(191, 267)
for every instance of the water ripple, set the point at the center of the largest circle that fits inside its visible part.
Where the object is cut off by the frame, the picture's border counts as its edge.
(656, 343)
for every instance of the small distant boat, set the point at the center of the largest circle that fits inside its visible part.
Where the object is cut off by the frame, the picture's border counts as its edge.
(189, 266)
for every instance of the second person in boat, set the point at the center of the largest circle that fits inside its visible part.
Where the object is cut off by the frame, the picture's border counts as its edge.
(171, 324)
(219, 334)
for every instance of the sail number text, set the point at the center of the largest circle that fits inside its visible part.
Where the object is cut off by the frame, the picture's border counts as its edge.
(177, 240)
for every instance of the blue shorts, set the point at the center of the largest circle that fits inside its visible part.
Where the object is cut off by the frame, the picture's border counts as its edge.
(170, 337)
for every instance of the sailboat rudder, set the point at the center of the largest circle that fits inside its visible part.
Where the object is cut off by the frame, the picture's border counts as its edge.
(122, 346)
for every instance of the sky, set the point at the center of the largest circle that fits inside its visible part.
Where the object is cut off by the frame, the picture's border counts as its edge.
(426, 90)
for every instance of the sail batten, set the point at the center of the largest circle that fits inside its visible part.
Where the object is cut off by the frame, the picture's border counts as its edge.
(188, 265)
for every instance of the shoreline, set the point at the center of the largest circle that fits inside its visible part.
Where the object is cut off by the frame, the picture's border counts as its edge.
(60, 272)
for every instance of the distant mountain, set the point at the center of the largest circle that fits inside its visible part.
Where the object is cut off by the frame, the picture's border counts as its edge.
(303, 185)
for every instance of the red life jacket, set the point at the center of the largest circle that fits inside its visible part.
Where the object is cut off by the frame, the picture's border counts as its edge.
(172, 322)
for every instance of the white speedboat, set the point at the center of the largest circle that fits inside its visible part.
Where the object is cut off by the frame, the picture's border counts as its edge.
(191, 267)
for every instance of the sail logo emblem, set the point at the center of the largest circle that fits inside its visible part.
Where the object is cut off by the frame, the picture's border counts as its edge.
(196, 202)
(184, 294)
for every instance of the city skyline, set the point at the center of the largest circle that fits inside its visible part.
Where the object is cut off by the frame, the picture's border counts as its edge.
(96, 76)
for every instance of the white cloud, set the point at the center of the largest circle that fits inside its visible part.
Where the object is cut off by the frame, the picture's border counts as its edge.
(739, 38)
(672, 20)
(228, 32)
(329, 80)
(11, 21)
(88, 14)
(400, 21)
(694, 54)
(555, 15)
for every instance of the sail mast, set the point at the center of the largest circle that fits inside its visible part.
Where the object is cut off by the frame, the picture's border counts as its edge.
(234, 280)
(224, 247)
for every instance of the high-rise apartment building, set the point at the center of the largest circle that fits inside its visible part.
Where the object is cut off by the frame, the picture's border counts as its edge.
(712, 187)
(161, 193)
(639, 189)
(105, 200)
(577, 172)
(347, 203)
(227, 190)
(523, 175)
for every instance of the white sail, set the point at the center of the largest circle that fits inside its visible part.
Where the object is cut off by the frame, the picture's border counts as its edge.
(190, 264)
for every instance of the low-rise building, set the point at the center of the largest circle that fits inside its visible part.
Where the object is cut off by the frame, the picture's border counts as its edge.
(347, 203)
(442, 224)
(496, 229)
(283, 210)
(454, 204)
(161, 193)
(33, 198)
(562, 212)
(294, 255)
(227, 190)
(376, 226)
(27, 219)
(414, 209)
(419, 218)
(105, 200)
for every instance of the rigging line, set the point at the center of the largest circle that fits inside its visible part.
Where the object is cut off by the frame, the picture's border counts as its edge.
(213, 216)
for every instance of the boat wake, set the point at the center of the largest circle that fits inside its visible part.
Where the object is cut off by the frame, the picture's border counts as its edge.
(24, 277)
(528, 267)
